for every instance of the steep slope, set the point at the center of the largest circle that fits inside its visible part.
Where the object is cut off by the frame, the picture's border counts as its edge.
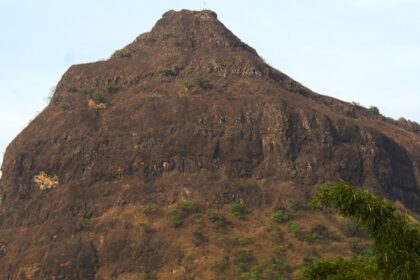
(187, 112)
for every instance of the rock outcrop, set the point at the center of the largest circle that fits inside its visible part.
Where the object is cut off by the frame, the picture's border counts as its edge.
(185, 112)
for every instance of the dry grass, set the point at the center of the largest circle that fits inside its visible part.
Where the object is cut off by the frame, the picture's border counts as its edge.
(45, 182)
(97, 106)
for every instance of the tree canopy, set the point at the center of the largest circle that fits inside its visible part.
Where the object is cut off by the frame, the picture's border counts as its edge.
(396, 238)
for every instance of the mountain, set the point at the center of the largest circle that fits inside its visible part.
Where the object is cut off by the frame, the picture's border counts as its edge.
(186, 156)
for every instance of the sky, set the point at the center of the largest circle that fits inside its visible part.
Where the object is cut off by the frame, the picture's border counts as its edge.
(367, 51)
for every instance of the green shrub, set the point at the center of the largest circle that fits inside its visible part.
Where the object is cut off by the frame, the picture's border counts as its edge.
(239, 210)
(151, 209)
(72, 88)
(176, 218)
(317, 232)
(218, 219)
(171, 70)
(198, 81)
(311, 237)
(112, 87)
(295, 229)
(122, 53)
(374, 110)
(280, 215)
(243, 257)
(182, 211)
(99, 97)
(341, 269)
(165, 71)
(188, 207)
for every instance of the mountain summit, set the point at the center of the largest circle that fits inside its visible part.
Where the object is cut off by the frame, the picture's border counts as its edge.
(141, 164)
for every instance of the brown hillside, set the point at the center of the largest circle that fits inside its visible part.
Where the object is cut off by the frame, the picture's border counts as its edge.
(148, 146)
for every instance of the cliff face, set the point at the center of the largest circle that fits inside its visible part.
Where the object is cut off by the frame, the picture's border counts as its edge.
(187, 112)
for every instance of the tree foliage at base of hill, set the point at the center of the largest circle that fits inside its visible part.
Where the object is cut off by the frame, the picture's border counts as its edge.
(396, 238)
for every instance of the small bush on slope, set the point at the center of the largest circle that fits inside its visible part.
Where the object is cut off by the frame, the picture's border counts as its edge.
(182, 211)
(239, 210)
(198, 81)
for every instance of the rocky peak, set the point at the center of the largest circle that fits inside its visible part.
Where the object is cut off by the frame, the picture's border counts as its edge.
(186, 113)
(196, 42)
(188, 30)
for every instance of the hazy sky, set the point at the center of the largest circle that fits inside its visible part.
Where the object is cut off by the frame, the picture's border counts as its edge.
(355, 50)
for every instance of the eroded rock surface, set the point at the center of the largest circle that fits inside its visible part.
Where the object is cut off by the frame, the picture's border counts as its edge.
(186, 111)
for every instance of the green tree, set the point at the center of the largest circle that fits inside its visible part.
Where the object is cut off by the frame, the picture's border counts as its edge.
(374, 110)
(396, 238)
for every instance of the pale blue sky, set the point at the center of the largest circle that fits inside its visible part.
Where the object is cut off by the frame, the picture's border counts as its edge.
(355, 50)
